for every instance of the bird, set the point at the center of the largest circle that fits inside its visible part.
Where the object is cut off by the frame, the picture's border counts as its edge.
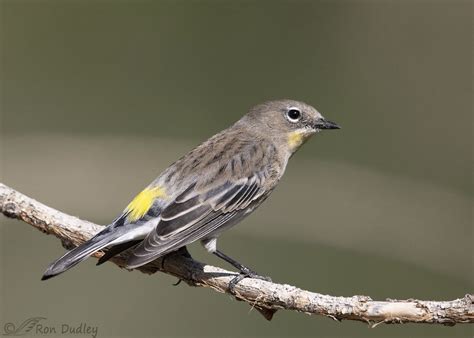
(207, 191)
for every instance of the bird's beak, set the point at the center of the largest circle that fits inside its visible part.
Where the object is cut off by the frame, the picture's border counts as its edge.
(325, 124)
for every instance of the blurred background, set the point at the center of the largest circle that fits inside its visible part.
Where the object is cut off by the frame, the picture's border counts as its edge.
(98, 97)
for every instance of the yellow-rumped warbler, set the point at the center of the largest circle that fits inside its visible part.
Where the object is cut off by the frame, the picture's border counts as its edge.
(208, 190)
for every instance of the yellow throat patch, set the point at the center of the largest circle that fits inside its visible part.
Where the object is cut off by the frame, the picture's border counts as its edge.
(140, 205)
(296, 138)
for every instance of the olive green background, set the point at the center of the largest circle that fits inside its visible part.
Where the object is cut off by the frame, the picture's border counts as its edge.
(97, 97)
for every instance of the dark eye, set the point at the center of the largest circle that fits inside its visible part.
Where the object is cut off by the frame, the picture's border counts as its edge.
(293, 114)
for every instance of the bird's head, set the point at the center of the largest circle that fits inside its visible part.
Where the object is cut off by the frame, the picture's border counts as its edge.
(289, 122)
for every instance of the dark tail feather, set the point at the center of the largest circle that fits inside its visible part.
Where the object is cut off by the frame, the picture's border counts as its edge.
(116, 249)
(77, 255)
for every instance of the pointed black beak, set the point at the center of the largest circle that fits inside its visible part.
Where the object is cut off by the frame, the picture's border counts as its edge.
(325, 124)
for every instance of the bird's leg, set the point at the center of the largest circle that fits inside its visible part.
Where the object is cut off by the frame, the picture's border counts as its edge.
(244, 271)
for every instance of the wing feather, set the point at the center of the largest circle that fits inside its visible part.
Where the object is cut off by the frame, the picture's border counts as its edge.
(197, 213)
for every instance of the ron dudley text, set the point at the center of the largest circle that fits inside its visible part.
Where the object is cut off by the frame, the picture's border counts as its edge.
(82, 329)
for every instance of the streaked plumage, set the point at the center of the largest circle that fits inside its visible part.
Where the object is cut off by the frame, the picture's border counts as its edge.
(208, 190)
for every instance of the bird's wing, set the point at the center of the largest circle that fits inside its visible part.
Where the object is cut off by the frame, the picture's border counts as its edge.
(196, 213)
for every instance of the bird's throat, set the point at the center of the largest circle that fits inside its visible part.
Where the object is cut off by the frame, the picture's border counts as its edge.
(297, 138)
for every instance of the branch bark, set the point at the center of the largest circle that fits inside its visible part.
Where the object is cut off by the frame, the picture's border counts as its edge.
(266, 297)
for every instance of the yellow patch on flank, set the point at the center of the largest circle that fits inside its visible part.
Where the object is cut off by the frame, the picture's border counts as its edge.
(140, 205)
(295, 138)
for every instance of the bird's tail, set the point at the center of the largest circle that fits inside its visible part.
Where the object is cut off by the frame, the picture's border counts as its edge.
(82, 252)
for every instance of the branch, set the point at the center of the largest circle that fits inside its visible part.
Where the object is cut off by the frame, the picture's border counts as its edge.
(266, 297)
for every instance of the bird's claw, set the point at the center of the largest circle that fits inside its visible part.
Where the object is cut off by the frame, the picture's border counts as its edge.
(178, 282)
(245, 273)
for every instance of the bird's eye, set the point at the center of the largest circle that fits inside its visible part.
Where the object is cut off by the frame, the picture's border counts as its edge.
(293, 115)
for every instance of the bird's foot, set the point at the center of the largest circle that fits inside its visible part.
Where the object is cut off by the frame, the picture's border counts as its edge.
(245, 273)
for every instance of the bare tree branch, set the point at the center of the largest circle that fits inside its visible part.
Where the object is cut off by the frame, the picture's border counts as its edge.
(267, 297)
